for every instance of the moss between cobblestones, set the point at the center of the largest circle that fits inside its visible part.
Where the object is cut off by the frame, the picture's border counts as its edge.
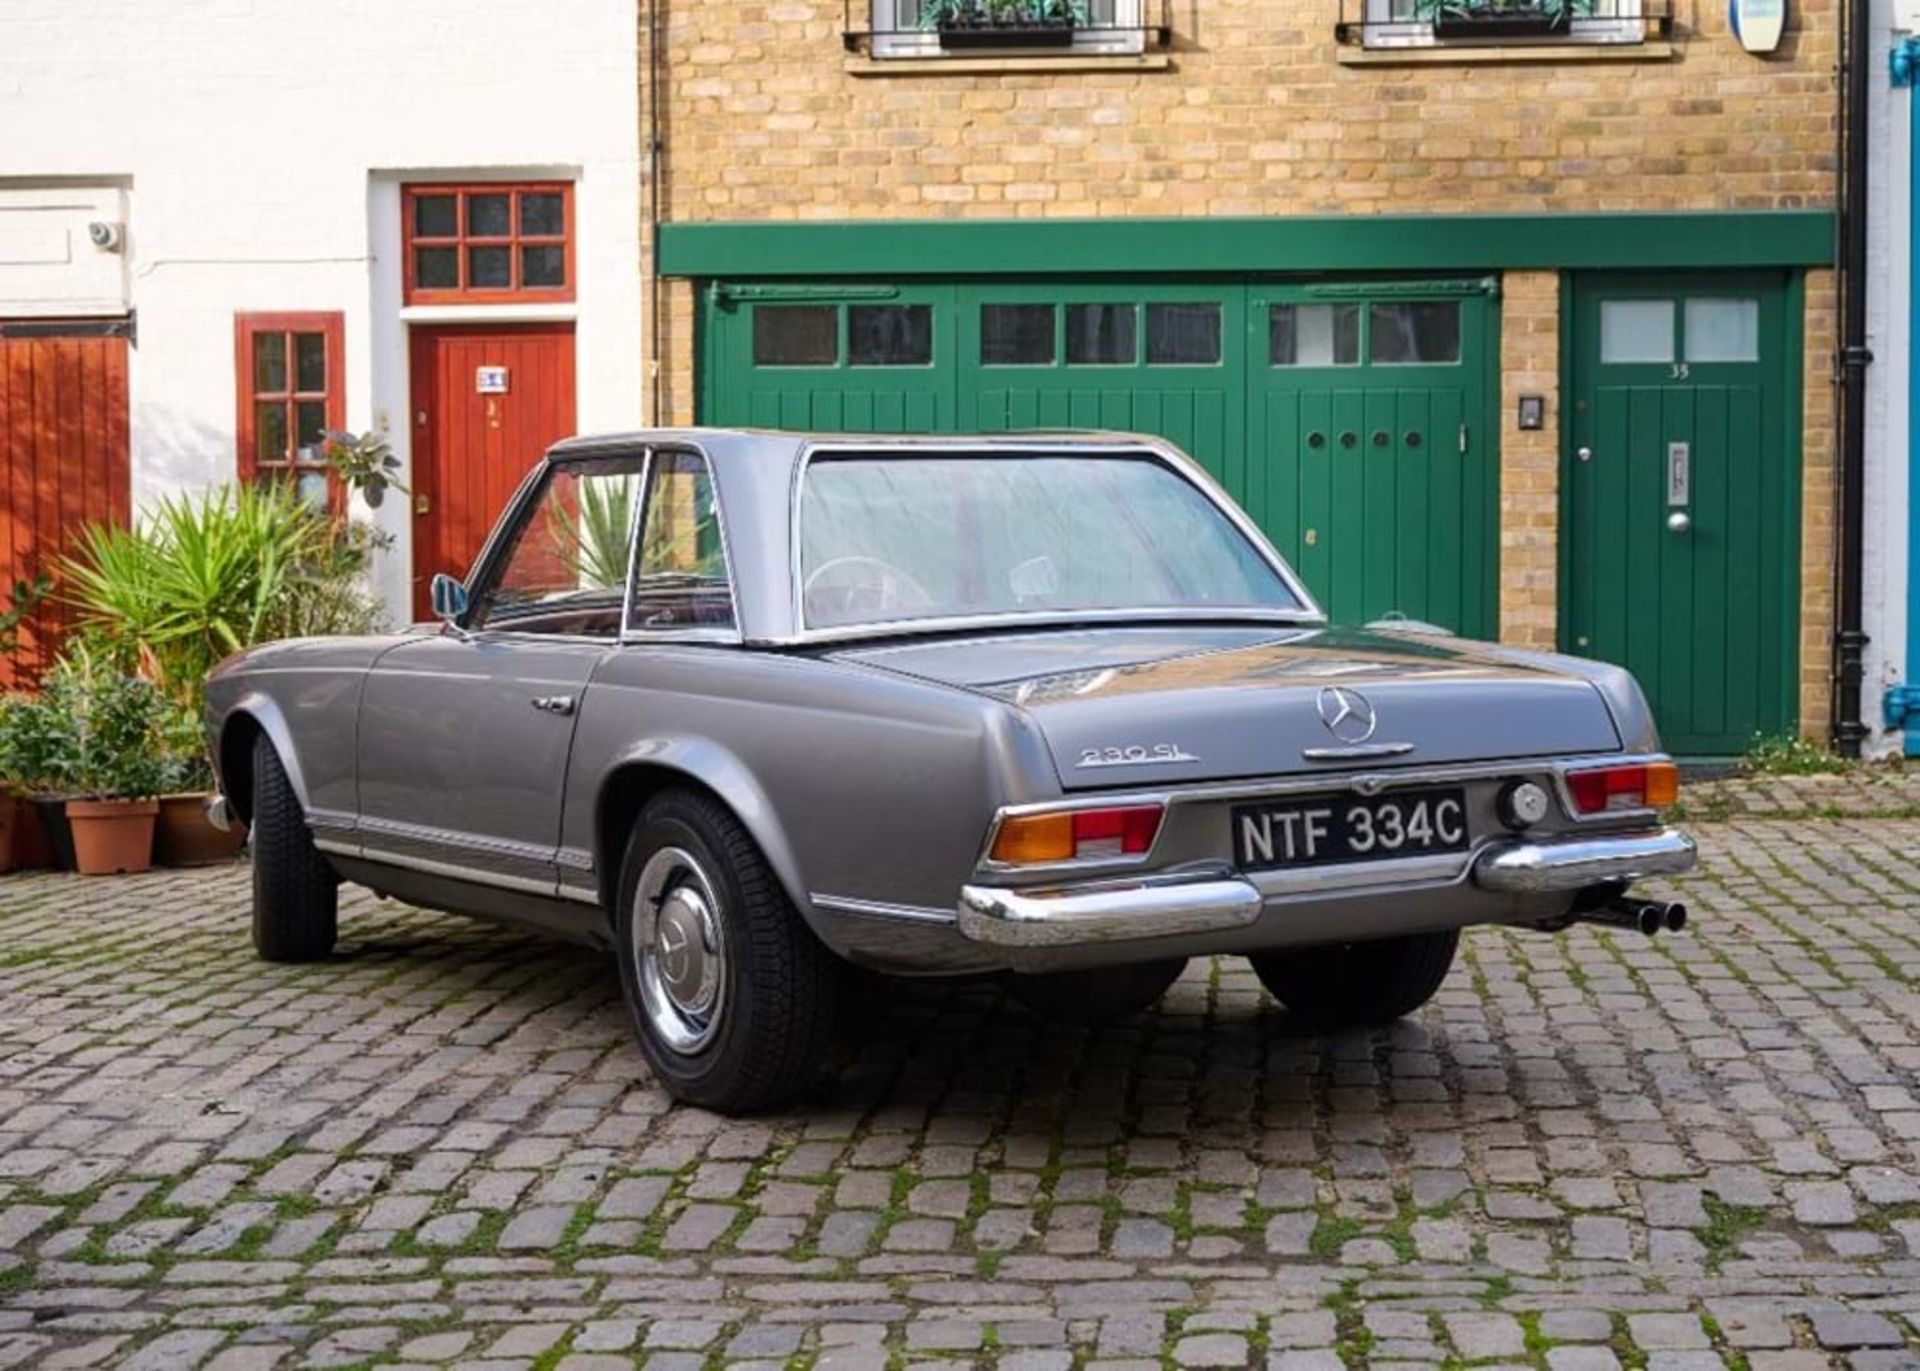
(1353, 1340)
(1331, 1234)
(1728, 1225)
(1624, 1347)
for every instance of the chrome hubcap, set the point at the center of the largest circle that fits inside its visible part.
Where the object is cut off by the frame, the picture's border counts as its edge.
(680, 950)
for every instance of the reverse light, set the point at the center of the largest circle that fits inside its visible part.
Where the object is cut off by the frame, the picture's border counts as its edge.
(1075, 835)
(1650, 786)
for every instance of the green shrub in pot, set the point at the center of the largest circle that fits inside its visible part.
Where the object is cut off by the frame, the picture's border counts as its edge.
(99, 731)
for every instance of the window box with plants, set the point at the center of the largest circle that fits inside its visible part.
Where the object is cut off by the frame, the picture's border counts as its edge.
(1503, 19)
(989, 24)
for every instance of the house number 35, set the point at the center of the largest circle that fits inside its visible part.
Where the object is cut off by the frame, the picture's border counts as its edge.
(1678, 372)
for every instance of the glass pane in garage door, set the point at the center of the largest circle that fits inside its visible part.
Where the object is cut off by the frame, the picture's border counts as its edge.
(1371, 457)
(1161, 359)
(876, 359)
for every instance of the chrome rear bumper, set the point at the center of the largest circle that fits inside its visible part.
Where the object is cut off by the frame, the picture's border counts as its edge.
(1524, 868)
(1218, 902)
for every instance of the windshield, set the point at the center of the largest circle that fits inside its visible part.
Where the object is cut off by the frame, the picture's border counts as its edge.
(889, 539)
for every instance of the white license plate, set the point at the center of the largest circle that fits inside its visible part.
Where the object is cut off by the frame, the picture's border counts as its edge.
(1319, 830)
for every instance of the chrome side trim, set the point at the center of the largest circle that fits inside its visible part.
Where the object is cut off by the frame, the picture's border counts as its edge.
(445, 837)
(576, 859)
(1105, 913)
(880, 909)
(1573, 863)
(335, 820)
(472, 875)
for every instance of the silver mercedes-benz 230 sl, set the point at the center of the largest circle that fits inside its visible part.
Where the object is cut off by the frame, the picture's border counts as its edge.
(744, 708)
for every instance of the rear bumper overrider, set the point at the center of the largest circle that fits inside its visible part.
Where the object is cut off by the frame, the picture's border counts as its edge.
(1216, 902)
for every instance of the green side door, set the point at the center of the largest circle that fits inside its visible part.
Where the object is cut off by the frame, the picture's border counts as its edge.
(859, 358)
(1371, 460)
(1681, 498)
(1161, 359)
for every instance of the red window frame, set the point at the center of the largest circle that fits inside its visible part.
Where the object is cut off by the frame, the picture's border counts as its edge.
(332, 327)
(462, 241)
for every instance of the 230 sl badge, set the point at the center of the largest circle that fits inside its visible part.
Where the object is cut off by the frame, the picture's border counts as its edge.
(1136, 754)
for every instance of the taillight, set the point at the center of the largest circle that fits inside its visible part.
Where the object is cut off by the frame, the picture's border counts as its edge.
(1076, 835)
(1649, 786)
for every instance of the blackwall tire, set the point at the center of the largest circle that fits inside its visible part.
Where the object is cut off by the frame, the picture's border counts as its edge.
(1096, 996)
(737, 1006)
(296, 896)
(1351, 984)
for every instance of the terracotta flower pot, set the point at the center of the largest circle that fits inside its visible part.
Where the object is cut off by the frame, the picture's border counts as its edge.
(183, 837)
(112, 835)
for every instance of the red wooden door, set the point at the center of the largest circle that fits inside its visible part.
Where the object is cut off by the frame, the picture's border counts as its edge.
(488, 399)
(63, 461)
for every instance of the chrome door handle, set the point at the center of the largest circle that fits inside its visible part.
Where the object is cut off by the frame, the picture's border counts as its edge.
(1678, 522)
(1585, 454)
(553, 704)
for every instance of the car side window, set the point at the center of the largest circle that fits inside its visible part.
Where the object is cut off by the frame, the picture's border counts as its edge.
(566, 567)
(680, 577)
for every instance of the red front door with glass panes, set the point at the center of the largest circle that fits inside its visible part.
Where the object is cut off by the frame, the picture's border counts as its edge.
(488, 399)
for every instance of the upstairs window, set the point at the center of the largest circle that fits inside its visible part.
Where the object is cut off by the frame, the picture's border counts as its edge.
(989, 28)
(290, 380)
(488, 243)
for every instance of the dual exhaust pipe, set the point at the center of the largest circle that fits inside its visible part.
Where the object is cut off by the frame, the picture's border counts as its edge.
(1646, 916)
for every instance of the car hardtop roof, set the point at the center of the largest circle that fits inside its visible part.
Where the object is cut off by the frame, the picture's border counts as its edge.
(735, 443)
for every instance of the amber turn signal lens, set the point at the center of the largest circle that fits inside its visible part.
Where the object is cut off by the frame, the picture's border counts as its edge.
(1034, 838)
(1663, 784)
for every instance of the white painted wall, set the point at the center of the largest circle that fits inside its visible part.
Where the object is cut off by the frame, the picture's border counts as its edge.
(1884, 544)
(261, 144)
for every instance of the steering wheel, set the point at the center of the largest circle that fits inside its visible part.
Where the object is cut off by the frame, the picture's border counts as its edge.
(846, 589)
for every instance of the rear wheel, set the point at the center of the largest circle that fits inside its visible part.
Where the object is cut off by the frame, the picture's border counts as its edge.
(1098, 995)
(296, 896)
(1358, 983)
(736, 1004)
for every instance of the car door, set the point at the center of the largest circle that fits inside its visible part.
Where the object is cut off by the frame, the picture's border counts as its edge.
(464, 735)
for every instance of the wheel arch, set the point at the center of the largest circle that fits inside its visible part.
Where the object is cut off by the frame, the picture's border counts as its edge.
(247, 719)
(695, 764)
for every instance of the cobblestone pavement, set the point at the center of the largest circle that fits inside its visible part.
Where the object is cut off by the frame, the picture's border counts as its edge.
(1591, 1151)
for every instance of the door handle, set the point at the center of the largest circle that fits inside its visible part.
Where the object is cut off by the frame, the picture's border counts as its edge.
(1678, 522)
(422, 505)
(553, 704)
(1585, 454)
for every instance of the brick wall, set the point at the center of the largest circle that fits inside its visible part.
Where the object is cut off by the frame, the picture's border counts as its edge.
(1254, 116)
(1530, 460)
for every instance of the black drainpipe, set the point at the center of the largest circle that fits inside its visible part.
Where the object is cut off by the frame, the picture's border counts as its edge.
(1850, 641)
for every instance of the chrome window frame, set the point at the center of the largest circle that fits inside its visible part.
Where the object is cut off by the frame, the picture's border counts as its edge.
(629, 631)
(1308, 611)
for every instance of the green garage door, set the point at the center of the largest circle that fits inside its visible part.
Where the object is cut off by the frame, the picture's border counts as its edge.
(1352, 421)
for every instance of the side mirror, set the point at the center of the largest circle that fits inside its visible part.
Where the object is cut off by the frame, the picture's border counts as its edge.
(449, 597)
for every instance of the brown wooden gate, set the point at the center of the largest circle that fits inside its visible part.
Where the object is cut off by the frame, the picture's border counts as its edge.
(63, 458)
